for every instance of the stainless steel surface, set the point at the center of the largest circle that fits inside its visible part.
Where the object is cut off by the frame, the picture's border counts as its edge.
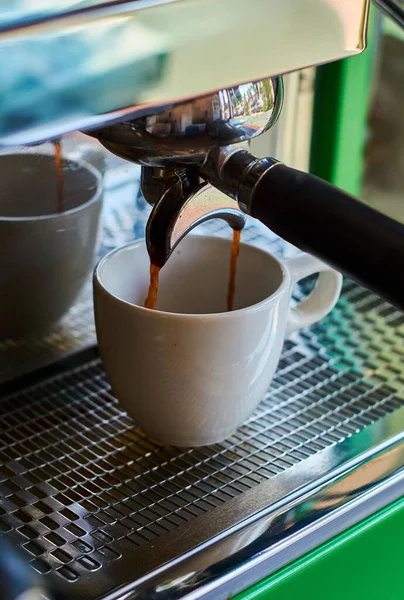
(290, 523)
(73, 65)
(256, 169)
(84, 490)
(183, 132)
(236, 172)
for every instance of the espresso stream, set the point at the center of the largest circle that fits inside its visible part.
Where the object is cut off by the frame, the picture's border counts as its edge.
(235, 249)
(59, 175)
(151, 299)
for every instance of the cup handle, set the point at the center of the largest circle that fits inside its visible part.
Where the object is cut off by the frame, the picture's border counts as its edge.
(321, 300)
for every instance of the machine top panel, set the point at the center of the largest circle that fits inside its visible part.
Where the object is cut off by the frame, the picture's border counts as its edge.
(97, 62)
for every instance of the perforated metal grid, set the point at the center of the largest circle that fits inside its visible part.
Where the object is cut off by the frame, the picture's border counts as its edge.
(80, 484)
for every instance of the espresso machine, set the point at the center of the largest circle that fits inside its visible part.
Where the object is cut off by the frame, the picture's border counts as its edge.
(89, 507)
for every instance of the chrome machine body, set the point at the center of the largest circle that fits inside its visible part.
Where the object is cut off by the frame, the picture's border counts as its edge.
(81, 64)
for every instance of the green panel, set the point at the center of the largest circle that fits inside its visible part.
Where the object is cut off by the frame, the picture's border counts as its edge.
(341, 107)
(363, 563)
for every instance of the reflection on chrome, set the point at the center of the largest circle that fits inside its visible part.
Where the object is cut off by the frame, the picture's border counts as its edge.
(183, 132)
(206, 114)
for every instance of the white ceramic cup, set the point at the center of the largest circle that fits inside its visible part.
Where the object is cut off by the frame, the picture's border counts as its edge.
(46, 256)
(190, 373)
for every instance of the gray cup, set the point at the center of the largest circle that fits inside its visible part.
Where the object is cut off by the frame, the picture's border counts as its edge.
(45, 256)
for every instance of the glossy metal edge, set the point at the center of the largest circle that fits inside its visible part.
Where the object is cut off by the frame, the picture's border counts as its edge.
(256, 533)
(55, 14)
(168, 38)
(272, 558)
(392, 9)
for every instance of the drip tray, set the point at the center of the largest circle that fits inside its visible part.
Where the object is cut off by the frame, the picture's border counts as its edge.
(83, 491)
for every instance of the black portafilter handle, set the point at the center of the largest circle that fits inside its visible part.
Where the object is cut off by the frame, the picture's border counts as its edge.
(321, 219)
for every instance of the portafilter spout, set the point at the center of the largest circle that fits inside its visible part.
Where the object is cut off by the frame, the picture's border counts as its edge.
(184, 205)
(173, 143)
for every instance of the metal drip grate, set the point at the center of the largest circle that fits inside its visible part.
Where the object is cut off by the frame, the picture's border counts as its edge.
(81, 487)
(80, 484)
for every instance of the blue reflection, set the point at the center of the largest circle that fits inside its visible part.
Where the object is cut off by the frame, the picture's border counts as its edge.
(15, 12)
(88, 70)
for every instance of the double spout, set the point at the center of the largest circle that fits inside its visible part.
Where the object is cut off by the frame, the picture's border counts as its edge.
(175, 143)
(184, 204)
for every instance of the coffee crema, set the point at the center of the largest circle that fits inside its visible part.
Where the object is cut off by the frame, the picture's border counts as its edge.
(151, 300)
